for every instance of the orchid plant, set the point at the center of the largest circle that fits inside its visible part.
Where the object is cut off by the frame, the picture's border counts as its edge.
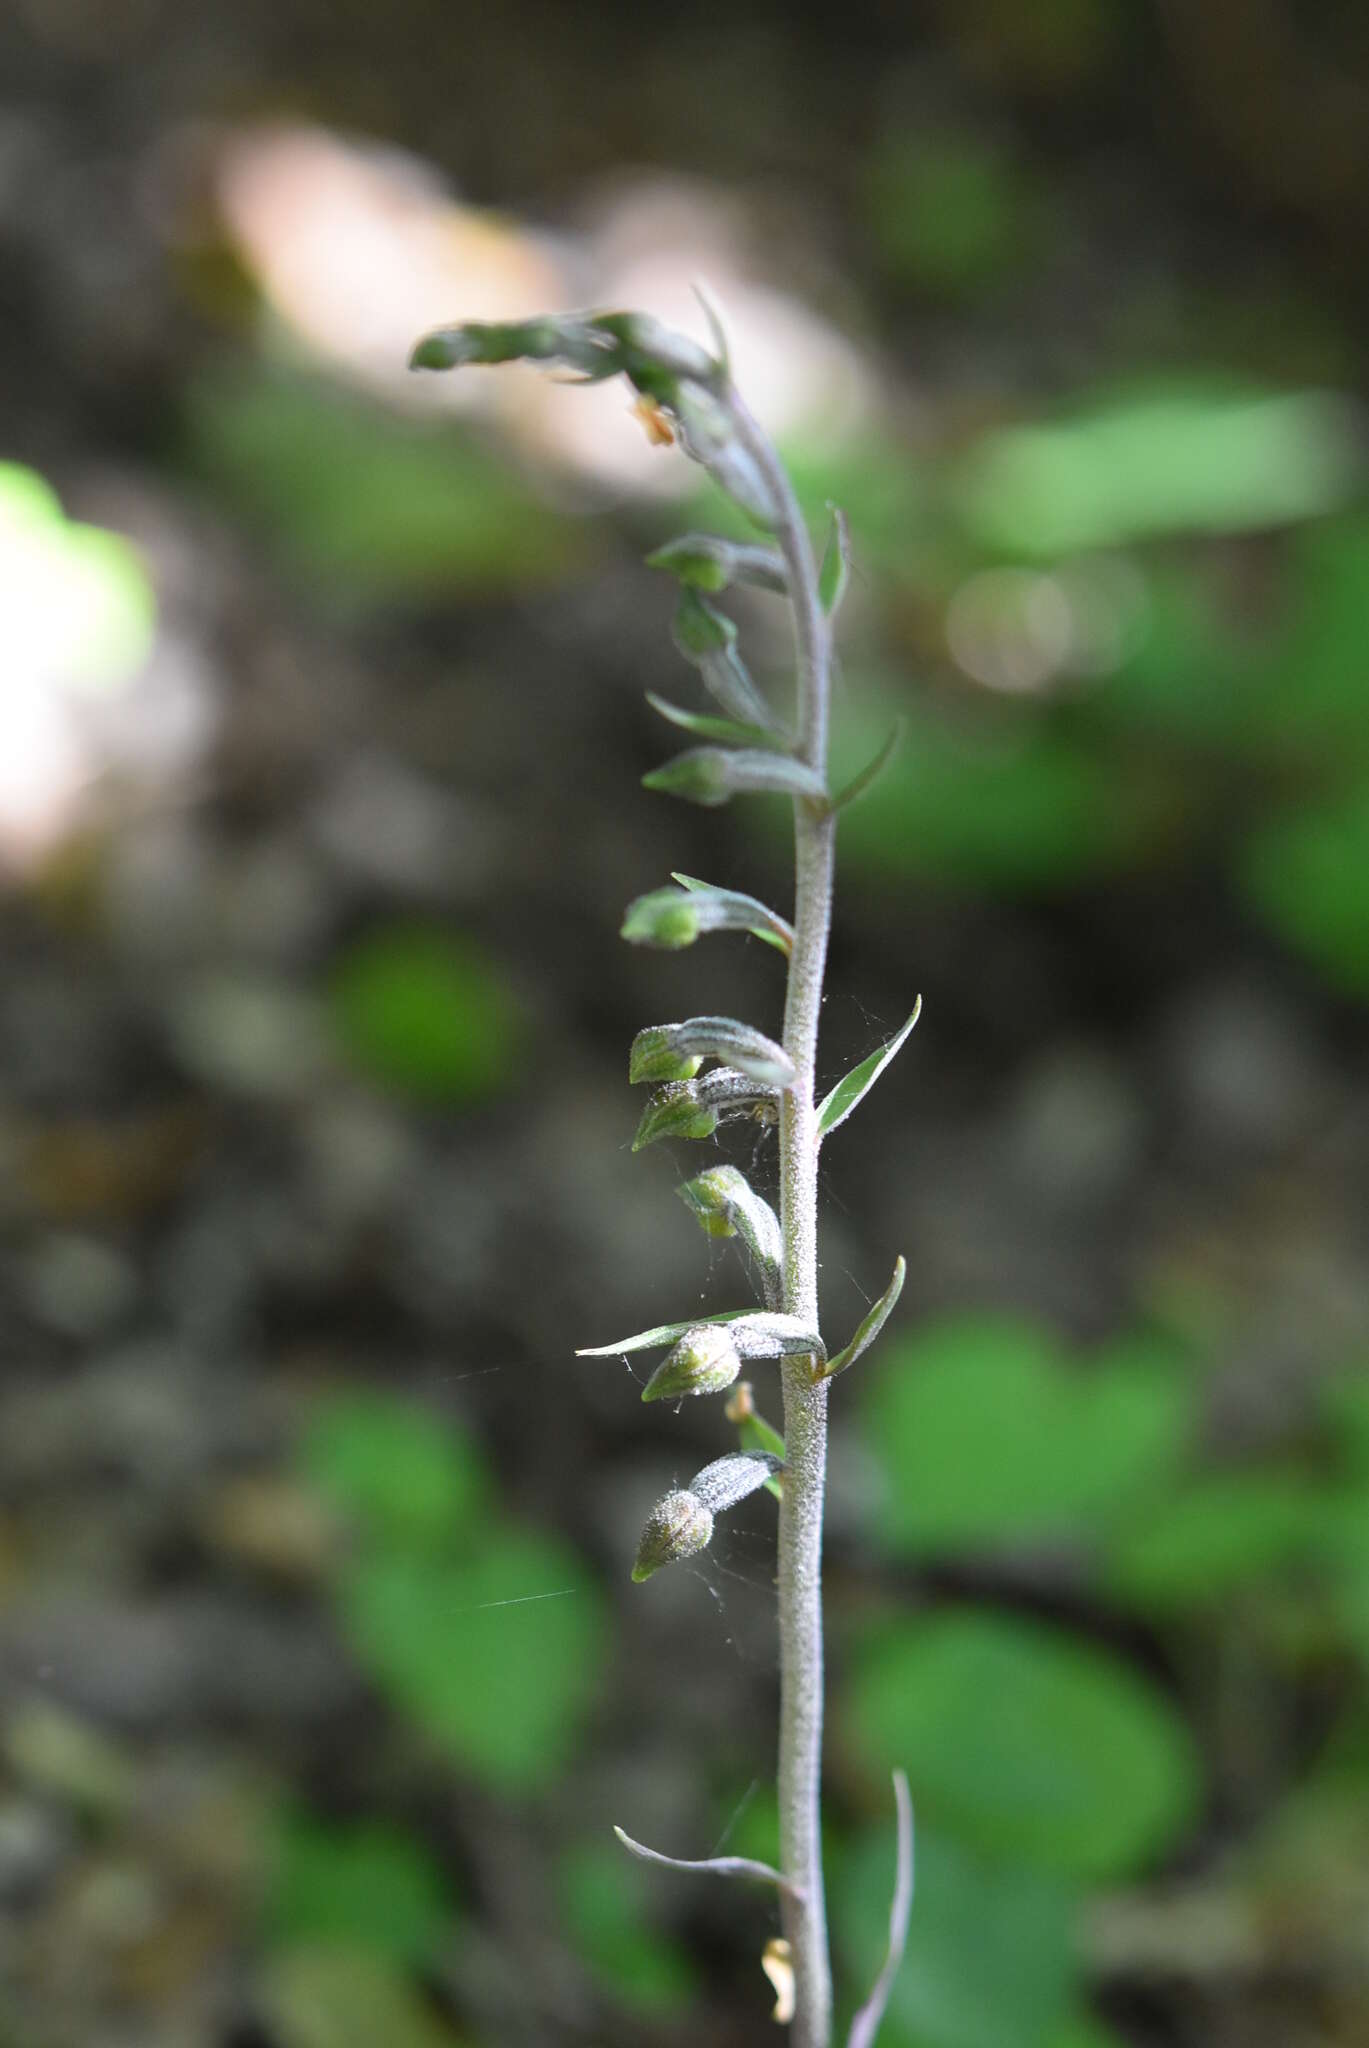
(685, 395)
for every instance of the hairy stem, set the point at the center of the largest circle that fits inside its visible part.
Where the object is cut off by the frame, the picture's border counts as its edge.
(805, 1405)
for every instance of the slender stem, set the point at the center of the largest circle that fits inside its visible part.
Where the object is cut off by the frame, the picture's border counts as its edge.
(805, 1405)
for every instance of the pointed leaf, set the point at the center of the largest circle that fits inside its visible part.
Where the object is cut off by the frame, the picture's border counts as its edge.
(726, 730)
(708, 562)
(865, 2025)
(858, 784)
(664, 1333)
(871, 1324)
(709, 776)
(835, 572)
(716, 1866)
(837, 1106)
(756, 1332)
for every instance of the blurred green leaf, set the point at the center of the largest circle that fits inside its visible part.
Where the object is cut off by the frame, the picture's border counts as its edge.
(1347, 1410)
(1192, 459)
(1082, 2030)
(406, 1474)
(424, 1013)
(328, 1996)
(987, 1436)
(1222, 1531)
(499, 1659)
(1307, 874)
(366, 1887)
(949, 212)
(1025, 1742)
(369, 505)
(989, 1962)
(1018, 803)
(602, 1903)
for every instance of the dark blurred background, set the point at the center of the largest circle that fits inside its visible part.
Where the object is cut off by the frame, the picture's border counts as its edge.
(321, 729)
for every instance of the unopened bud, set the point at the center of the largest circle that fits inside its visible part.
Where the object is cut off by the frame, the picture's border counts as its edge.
(677, 1527)
(712, 775)
(655, 1056)
(703, 1362)
(675, 1111)
(665, 917)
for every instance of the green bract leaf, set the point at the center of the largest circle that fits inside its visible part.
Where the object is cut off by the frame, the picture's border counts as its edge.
(708, 562)
(757, 1332)
(836, 1107)
(651, 1340)
(661, 1051)
(726, 730)
(672, 918)
(835, 573)
(870, 1326)
(1028, 1743)
(858, 784)
(710, 776)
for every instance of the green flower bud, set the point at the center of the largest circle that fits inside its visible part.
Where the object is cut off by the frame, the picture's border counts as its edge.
(665, 917)
(703, 1362)
(677, 1527)
(655, 1057)
(675, 1111)
(712, 775)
